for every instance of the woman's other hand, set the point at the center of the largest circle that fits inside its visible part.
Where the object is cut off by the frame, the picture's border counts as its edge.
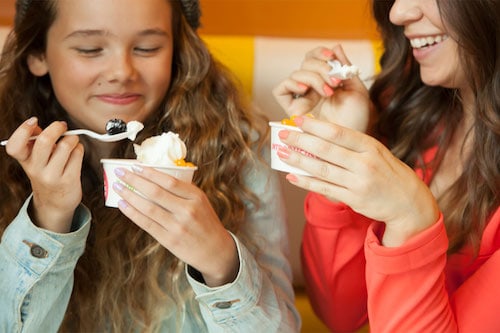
(341, 102)
(180, 216)
(53, 165)
(361, 172)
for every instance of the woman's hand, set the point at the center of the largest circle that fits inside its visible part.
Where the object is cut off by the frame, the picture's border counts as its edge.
(53, 165)
(358, 170)
(341, 102)
(180, 217)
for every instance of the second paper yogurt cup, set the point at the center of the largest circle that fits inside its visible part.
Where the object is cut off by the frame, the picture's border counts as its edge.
(276, 162)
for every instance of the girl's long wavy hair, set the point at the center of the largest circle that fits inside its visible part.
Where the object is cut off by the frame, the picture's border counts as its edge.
(413, 117)
(125, 280)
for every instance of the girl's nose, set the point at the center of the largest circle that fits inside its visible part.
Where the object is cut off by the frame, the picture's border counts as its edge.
(121, 68)
(404, 11)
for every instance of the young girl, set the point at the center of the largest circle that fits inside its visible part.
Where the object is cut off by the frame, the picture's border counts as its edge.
(404, 232)
(207, 256)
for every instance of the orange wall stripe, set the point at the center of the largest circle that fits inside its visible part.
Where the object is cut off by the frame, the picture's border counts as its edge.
(333, 19)
(6, 12)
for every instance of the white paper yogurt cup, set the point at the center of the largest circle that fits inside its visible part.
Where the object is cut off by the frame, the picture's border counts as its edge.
(276, 162)
(111, 198)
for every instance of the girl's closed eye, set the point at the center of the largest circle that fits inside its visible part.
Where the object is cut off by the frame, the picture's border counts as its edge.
(88, 51)
(147, 50)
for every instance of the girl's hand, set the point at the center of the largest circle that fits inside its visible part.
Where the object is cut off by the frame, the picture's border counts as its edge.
(342, 102)
(358, 170)
(180, 217)
(53, 165)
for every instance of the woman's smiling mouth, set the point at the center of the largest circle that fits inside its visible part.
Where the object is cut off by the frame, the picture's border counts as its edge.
(420, 42)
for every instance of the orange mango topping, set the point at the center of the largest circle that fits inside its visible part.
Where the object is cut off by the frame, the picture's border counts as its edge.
(183, 163)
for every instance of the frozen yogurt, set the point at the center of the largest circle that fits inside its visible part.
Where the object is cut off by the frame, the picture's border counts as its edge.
(342, 72)
(162, 150)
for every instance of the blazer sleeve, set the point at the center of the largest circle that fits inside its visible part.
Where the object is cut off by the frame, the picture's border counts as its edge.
(334, 263)
(408, 289)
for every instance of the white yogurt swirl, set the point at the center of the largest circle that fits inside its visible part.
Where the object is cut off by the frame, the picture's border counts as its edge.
(342, 72)
(134, 127)
(161, 150)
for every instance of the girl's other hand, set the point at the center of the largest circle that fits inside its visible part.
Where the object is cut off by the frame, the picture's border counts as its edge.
(361, 172)
(180, 216)
(342, 102)
(53, 166)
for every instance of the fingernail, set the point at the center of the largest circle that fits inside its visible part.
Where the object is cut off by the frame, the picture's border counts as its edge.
(118, 187)
(298, 121)
(283, 153)
(32, 121)
(119, 172)
(137, 168)
(335, 81)
(302, 86)
(291, 178)
(283, 134)
(327, 90)
(122, 204)
(327, 53)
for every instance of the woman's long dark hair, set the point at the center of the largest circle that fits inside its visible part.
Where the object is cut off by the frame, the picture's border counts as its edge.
(413, 117)
(125, 278)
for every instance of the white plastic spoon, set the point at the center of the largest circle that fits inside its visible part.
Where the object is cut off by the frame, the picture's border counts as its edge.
(133, 127)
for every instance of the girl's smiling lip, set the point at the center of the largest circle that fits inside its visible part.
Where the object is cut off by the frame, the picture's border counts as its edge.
(119, 99)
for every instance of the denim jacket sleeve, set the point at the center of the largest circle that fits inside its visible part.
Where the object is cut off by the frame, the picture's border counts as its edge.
(36, 272)
(261, 297)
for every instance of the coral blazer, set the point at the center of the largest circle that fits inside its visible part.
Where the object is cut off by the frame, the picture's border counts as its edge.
(351, 277)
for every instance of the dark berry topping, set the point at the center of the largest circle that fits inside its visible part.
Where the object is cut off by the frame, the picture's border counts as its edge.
(115, 126)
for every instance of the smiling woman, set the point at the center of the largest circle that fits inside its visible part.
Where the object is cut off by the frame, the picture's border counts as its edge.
(406, 186)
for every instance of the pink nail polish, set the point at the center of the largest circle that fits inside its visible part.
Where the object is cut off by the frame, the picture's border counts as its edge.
(302, 86)
(283, 134)
(327, 53)
(291, 178)
(335, 81)
(298, 120)
(283, 153)
(327, 90)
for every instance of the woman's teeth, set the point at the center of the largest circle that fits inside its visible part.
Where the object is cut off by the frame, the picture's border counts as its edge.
(418, 43)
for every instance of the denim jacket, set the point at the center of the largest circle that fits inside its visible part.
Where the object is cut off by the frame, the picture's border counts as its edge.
(36, 273)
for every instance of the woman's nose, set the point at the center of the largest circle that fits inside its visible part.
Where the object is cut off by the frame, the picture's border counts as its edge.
(404, 11)
(121, 68)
